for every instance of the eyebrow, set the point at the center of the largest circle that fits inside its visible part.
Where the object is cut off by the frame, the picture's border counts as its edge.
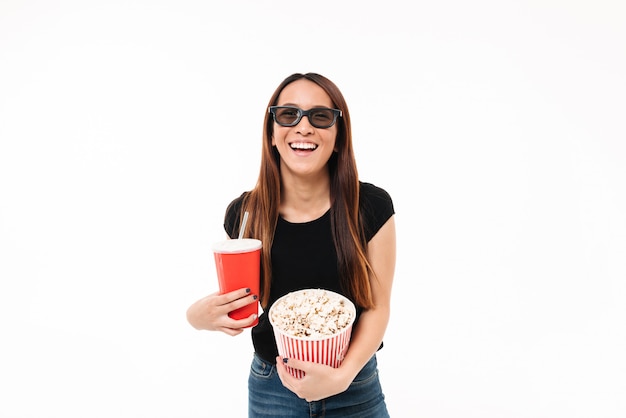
(312, 107)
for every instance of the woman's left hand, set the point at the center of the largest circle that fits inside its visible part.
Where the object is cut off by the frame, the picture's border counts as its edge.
(319, 381)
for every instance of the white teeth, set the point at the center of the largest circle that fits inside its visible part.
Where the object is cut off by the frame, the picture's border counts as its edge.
(302, 145)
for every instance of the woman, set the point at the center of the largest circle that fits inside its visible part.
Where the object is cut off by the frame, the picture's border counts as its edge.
(321, 227)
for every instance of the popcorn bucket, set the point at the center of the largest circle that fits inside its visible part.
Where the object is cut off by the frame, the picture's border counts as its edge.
(328, 347)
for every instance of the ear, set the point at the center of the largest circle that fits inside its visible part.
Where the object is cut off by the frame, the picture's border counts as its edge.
(273, 141)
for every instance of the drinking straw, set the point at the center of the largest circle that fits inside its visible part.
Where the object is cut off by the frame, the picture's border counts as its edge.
(242, 229)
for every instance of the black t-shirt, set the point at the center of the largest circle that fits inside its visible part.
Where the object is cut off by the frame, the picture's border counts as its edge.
(304, 256)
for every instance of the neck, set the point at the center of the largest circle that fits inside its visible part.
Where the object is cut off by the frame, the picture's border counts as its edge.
(304, 200)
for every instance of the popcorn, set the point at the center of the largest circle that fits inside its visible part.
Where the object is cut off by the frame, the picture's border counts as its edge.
(312, 313)
(313, 325)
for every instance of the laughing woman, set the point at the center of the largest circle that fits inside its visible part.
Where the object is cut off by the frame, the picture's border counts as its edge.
(321, 227)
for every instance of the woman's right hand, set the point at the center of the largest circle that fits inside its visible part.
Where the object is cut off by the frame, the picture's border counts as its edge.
(211, 312)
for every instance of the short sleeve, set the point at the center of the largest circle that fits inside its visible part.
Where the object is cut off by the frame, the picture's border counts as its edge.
(376, 208)
(232, 216)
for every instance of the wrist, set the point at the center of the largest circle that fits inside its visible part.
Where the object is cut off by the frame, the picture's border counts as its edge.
(346, 374)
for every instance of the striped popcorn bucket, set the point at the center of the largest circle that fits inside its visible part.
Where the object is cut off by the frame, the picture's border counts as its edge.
(329, 350)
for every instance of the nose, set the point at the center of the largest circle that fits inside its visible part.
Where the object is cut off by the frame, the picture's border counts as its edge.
(304, 127)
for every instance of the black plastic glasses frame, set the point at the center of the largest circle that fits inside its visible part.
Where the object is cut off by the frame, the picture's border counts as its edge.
(301, 113)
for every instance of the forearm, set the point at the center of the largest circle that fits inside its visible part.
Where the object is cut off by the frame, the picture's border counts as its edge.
(366, 339)
(323, 381)
(370, 330)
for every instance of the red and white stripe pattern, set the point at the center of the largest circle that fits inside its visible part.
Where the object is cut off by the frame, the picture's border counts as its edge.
(329, 351)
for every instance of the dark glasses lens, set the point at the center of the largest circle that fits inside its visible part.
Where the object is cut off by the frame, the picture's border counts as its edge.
(319, 117)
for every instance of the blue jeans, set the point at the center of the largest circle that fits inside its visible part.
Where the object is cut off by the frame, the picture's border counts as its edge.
(267, 397)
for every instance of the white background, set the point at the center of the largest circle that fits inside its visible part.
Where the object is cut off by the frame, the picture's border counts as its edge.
(497, 127)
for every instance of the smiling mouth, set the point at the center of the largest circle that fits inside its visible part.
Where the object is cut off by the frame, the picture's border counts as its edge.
(303, 146)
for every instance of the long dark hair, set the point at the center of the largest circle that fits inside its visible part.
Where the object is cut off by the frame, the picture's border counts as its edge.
(349, 239)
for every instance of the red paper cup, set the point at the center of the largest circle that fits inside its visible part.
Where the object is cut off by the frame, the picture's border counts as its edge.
(326, 349)
(238, 265)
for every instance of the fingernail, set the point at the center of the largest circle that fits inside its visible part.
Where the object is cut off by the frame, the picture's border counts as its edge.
(255, 297)
(285, 360)
(248, 290)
